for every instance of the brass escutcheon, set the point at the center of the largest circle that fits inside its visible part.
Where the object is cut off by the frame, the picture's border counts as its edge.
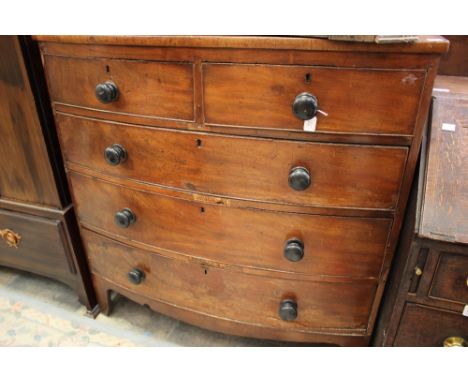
(11, 238)
(455, 342)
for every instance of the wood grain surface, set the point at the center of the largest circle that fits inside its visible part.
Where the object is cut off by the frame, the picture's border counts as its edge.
(235, 236)
(249, 168)
(155, 89)
(25, 170)
(445, 204)
(233, 296)
(262, 95)
(451, 278)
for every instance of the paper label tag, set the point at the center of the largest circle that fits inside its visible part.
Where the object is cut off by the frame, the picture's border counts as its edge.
(441, 90)
(310, 124)
(448, 127)
(465, 311)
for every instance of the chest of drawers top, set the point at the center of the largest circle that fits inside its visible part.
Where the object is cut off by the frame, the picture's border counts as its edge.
(360, 93)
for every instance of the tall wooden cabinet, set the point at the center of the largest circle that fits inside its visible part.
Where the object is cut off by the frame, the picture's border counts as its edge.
(38, 230)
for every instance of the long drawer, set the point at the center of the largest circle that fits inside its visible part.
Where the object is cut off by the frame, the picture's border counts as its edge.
(232, 295)
(363, 101)
(35, 244)
(331, 246)
(425, 326)
(278, 171)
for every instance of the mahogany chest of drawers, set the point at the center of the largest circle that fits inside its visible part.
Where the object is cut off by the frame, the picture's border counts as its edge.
(249, 185)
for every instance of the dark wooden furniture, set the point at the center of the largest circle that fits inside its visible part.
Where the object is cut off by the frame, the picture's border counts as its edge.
(202, 190)
(38, 229)
(455, 61)
(426, 303)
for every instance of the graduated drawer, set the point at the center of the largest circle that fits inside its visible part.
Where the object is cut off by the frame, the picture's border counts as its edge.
(364, 101)
(228, 295)
(250, 168)
(332, 246)
(451, 278)
(35, 244)
(424, 326)
(146, 88)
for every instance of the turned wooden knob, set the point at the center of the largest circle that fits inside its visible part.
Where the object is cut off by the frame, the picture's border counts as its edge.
(124, 218)
(288, 310)
(299, 178)
(294, 250)
(107, 92)
(115, 154)
(305, 106)
(136, 276)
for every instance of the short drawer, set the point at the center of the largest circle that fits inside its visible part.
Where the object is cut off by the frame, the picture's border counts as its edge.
(35, 244)
(229, 295)
(424, 326)
(325, 175)
(146, 88)
(300, 243)
(451, 278)
(363, 101)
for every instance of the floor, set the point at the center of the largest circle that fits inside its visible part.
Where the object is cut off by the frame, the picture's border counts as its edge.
(36, 311)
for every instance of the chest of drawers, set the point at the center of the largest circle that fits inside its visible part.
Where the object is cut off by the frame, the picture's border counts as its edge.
(249, 185)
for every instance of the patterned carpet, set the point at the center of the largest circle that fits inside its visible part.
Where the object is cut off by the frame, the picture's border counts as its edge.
(36, 311)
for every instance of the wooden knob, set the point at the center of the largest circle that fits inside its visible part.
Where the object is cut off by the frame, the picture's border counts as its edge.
(288, 310)
(305, 106)
(294, 250)
(124, 218)
(107, 92)
(299, 178)
(136, 276)
(115, 154)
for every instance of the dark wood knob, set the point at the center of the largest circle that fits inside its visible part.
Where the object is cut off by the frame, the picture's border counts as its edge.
(294, 250)
(124, 218)
(136, 276)
(115, 154)
(107, 92)
(299, 178)
(288, 310)
(305, 106)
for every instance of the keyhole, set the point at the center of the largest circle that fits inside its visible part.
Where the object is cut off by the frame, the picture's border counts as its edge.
(206, 271)
(199, 143)
(107, 69)
(307, 78)
(202, 209)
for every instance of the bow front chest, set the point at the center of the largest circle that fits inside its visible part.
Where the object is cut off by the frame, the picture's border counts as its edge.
(249, 185)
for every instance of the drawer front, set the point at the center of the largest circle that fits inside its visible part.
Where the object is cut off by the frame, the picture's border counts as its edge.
(148, 88)
(424, 326)
(35, 244)
(258, 169)
(451, 278)
(356, 100)
(231, 295)
(332, 246)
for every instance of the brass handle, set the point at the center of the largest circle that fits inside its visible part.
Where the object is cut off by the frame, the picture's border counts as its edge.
(455, 342)
(11, 238)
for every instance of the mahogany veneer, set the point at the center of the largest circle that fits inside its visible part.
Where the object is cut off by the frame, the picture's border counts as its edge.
(200, 194)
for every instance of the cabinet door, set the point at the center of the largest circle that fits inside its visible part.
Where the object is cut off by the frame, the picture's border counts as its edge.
(25, 174)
